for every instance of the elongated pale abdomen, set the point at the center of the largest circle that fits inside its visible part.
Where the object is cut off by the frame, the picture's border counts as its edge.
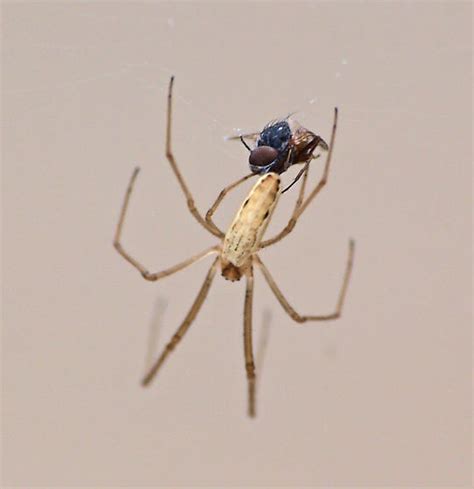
(246, 231)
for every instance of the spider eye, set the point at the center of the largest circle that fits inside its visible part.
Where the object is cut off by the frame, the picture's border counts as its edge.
(262, 155)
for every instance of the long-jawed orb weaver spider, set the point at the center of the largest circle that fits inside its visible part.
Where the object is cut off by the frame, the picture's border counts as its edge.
(279, 145)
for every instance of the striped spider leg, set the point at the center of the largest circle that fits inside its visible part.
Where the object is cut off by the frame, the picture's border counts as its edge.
(278, 146)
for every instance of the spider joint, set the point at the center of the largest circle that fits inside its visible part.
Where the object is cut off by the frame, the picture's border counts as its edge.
(151, 277)
(250, 368)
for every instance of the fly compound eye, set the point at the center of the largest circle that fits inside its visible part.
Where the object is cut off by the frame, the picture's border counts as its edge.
(262, 156)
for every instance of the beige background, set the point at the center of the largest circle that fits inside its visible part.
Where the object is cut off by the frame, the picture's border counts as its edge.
(380, 397)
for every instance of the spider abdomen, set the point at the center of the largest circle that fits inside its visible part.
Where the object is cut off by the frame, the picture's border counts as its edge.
(246, 231)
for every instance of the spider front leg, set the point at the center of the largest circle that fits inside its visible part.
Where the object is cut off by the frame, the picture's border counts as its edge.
(299, 208)
(219, 199)
(230, 187)
(145, 273)
(170, 156)
(287, 307)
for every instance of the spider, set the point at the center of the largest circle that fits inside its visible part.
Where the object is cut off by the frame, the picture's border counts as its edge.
(278, 146)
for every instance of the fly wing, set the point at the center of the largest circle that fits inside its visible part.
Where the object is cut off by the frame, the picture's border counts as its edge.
(304, 142)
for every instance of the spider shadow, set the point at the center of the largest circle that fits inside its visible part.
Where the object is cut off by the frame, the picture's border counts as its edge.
(154, 330)
(156, 323)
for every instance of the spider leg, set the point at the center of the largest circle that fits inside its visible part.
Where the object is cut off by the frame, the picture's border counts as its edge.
(291, 223)
(219, 199)
(299, 209)
(230, 187)
(248, 349)
(145, 273)
(193, 311)
(285, 304)
(248, 135)
(170, 156)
